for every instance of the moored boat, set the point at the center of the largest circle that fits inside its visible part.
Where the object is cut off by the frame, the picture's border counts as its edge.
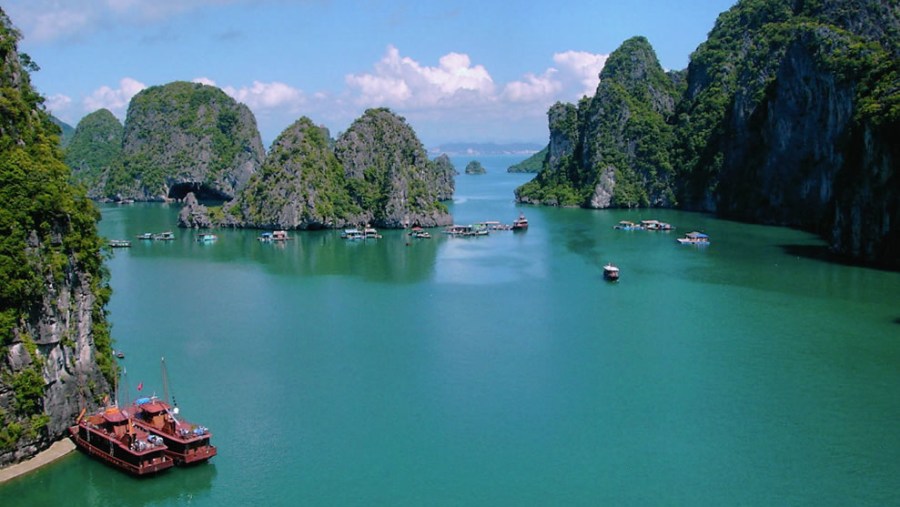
(145, 236)
(164, 236)
(420, 233)
(186, 443)
(112, 436)
(119, 243)
(467, 230)
(655, 225)
(520, 224)
(694, 238)
(352, 234)
(626, 225)
(207, 238)
(611, 272)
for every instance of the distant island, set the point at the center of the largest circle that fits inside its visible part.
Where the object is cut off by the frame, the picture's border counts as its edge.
(457, 149)
(475, 167)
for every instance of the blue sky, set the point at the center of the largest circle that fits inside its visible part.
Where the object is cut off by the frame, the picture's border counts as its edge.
(458, 71)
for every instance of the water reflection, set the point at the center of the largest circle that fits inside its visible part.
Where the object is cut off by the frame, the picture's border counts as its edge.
(100, 484)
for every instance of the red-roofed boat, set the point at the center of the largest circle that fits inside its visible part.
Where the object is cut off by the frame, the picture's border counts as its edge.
(186, 443)
(113, 437)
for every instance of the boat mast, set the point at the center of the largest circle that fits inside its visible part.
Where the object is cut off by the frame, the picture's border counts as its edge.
(165, 379)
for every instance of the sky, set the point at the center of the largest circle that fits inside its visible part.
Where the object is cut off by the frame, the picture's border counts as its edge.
(458, 71)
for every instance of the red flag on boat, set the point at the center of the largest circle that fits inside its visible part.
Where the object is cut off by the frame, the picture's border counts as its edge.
(140, 386)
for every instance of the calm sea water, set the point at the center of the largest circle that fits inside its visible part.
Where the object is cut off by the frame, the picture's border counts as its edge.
(503, 370)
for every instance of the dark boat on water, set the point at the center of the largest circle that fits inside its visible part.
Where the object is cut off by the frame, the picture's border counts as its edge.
(186, 443)
(112, 436)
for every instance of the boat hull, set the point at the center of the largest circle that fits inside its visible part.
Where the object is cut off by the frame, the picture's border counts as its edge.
(104, 449)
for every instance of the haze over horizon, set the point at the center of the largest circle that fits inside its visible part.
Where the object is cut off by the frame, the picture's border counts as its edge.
(465, 71)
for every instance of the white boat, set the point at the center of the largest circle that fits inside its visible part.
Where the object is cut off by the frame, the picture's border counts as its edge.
(611, 272)
(352, 234)
(694, 238)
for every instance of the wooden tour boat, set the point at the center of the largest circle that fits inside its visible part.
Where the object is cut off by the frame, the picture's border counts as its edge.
(186, 443)
(112, 436)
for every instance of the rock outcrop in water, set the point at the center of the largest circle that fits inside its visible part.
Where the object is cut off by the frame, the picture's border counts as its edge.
(300, 186)
(55, 347)
(612, 150)
(788, 116)
(186, 137)
(376, 173)
(475, 167)
(389, 173)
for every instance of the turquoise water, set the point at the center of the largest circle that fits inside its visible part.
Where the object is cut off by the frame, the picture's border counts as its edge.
(503, 370)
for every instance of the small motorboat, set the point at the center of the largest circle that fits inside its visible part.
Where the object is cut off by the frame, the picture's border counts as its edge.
(611, 272)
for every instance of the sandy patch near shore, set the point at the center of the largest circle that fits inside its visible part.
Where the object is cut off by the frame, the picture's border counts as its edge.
(57, 450)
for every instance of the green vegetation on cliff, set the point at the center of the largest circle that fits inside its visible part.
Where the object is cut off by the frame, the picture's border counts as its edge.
(388, 172)
(185, 133)
(613, 149)
(787, 115)
(48, 246)
(301, 184)
(532, 164)
(95, 150)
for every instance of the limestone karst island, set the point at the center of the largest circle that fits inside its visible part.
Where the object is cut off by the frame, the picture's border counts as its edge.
(686, 293)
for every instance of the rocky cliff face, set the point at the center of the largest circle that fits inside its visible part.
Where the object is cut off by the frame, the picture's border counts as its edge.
(55, 353)
(444, 177)
(377, 173)
(612, 150)
(184, 137)
(787, 120)
(95, 151)
(786, 117)
(389, 174)
(300, 186)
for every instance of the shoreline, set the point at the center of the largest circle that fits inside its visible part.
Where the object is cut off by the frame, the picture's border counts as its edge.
(56, 451)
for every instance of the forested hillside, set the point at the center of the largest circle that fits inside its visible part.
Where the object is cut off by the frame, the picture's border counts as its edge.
(55, 346)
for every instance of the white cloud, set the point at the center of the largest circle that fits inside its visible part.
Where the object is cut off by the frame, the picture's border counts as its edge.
(204, 80)
(43, 24)
(46, 20)
(268, 96)
(402, 82)
(116, 100)
(58, 104)
(582, 66)
(541, 89)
